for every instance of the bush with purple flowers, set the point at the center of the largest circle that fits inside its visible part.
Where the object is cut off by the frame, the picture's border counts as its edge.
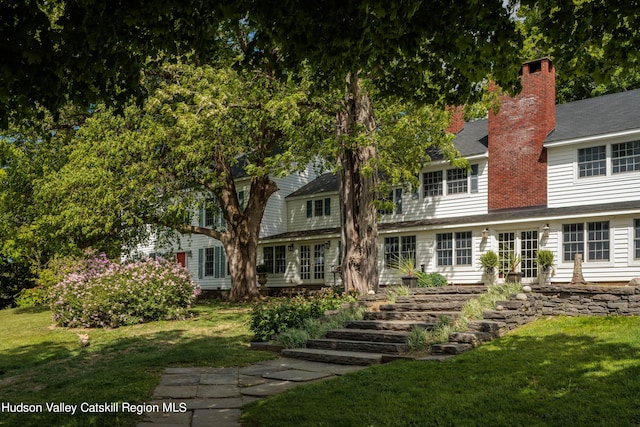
(106, 294)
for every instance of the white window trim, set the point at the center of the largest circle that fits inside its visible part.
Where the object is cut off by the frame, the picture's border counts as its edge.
(585, 256)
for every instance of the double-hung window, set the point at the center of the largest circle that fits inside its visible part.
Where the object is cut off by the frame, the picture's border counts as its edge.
(319, 207)
(592, 161)
(592, 238)
(396, 248)
(625, 157)
(636, 237)
(453, 248)
(211, 214)
(212, 262)
(450, 181)
(275, 258)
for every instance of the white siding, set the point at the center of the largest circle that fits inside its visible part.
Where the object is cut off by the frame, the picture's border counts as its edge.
(297, 213)
(275, 219)
(565, 188)
(444, 206)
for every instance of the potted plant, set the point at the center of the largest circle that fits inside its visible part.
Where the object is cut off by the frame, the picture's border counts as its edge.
(490, 263)
(512, 259)
(262, 270)
(544, 259)
(407, 268)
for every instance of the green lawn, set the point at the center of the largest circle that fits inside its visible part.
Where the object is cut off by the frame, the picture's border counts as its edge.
(40, 363)
(553, 372)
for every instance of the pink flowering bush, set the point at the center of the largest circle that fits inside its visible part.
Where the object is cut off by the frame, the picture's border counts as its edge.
(107, 294)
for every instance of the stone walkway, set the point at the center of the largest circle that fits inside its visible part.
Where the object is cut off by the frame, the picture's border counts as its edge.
(194, 397)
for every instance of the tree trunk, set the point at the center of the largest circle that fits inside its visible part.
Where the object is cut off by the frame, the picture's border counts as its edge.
(578, 278)
(241, 238)
(358, 190)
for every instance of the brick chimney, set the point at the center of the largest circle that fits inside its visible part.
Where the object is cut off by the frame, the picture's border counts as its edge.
(517, 159)
(457, 119)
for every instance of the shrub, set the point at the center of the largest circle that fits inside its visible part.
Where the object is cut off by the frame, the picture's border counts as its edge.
(431, 280)
(107, 294)
(278, 314)
(293, 338)
(418, 339)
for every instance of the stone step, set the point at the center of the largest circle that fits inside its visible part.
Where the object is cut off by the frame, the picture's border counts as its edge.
(450, 348)
(469, 289)
(514, 304)
(422, 316)
(388, 325)
(358, 346)
(333, 356)
(493, 327)
(434, 298)
(475, 338)
(424, 306)
(368, 335)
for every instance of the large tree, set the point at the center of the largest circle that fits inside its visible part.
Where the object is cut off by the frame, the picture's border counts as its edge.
(429, 52)
(155, 164)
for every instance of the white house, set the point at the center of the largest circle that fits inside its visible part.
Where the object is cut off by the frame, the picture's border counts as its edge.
(543, 176)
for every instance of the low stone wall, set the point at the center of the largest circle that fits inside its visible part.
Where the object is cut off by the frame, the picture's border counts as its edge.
(588, 300)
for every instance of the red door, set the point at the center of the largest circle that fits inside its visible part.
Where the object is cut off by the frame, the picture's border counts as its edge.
(182, 259)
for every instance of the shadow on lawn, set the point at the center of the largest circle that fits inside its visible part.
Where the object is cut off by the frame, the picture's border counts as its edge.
(543, 378)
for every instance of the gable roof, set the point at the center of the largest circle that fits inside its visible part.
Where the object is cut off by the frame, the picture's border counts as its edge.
(602, 115)
(323, 184)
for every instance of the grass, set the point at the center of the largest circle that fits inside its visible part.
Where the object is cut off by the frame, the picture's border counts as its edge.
(553, 372)
(40, 363)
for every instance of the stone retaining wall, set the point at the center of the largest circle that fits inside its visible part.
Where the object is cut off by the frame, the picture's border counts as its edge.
(588, 300)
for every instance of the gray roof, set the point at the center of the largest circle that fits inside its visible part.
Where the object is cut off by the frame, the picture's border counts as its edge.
(323, 184)
(596, 116)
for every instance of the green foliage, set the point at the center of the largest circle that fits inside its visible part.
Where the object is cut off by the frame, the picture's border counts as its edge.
(391, 292)
(489, 260)
(109, 295)
(431, 280)
(314, 328)
(406, 266)
(442, 329)
(15, 278)
(418, 339)
(279, 314)
(544, 258)
(474, 308)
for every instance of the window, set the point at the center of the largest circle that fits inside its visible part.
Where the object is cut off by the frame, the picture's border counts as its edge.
(597, 238)
(212, 262)
(592, 161)
(636, 238)
(528, 252)
(396, 197)
(305, 262)
(432, 184)
(275, 258)
(625, 157)
(399, 247)
(450, 244)
(211, 215)
(281, 260)
(318, 261)
(598, 241)
(506, 247)
(241, 199)
(318, 207)
(444, 249)
(463, 248)
(456, 181)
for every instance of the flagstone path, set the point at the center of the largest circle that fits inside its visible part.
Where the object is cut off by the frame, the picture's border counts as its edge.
(194, 397)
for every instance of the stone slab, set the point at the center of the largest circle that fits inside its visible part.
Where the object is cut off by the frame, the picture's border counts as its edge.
(172, 418)
(216, 417)
(218, 391)
(180, 379)
(269, 389)
(297, 375)
(176, 392)
(219, 379)
(213, 403)
(250, 380)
